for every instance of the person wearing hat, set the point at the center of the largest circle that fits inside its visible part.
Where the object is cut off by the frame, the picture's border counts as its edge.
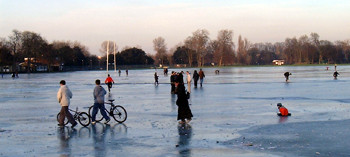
(283, 110)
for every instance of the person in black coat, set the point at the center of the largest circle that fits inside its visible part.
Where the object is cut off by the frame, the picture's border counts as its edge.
(286, 75)
(172, 81)
(184, 111)
(195, 78)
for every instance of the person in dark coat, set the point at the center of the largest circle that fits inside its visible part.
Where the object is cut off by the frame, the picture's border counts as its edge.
(184, 111)
(335, 74)
(180, 77)
(172, 81)
(195, 78)
(286, 75)
(156, 79)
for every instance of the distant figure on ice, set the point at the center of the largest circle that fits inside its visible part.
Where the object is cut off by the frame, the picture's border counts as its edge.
(283, 110)
(335, 67)
(109, 82)
(156, 78)
(63, 96)
(189, 80)
(335, 74)
(201, 76)
(172, 82)
(195, 78)
(119, 72)
(165, 71)
(99, 102)
(217, 72)
(184, 111)
(286, 75)
(127, 72)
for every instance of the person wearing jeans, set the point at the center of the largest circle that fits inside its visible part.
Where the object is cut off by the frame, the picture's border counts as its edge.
(99, 100)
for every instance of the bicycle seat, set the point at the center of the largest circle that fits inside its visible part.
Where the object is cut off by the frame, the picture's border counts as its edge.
(111, 100)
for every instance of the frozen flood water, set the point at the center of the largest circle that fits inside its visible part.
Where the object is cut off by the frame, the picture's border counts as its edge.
(234, 114)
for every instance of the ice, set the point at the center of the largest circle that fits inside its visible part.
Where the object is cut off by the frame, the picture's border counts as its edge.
(239, 102)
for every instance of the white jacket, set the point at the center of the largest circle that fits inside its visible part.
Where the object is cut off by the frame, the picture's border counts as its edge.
(64, 95)
(189, 79)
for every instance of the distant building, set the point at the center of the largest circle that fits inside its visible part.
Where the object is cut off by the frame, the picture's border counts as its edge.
(181, 65)
(278, 62)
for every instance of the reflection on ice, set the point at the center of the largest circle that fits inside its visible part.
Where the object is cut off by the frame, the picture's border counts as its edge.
(185, 134)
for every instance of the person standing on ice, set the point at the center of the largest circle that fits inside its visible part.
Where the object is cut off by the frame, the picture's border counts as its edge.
(63, 96)
(286, 75)
(189, 80)
(195, 78)
(109, 82)
(99, 100)
(201, 76)
(172, 82)
(184, 112)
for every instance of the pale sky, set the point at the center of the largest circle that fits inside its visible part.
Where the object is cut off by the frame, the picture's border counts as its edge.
(138, 22)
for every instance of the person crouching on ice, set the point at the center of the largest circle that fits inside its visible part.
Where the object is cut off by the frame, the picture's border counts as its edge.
(283, 110)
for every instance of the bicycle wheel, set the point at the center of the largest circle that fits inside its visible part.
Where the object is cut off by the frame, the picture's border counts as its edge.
(84, 119)
(65, 122)
(119, 114)
(99, 116)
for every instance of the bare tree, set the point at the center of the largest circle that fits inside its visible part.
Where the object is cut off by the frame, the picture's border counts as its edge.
(32, 44)
(199, 42)
(160, 47)
(223, 47)
(189, 44)
(107, 45)
(303, 48)
(316, 42)
(242, 52)
(15, 44)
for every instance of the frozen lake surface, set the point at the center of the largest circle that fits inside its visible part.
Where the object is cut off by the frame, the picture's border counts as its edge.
(234, 114)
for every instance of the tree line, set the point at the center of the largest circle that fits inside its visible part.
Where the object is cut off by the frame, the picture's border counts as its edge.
(27, 48)
(199, 50)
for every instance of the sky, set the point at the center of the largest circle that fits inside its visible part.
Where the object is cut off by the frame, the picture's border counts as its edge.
(138, 22)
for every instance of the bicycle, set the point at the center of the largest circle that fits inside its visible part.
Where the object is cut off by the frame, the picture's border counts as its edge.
(118, 112)
(82, 117)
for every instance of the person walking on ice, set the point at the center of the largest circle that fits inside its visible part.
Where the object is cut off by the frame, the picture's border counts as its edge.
(63, 96)
(156, 79)
(109, 82)
(184, 111)
(201, 76)
(99, 100)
